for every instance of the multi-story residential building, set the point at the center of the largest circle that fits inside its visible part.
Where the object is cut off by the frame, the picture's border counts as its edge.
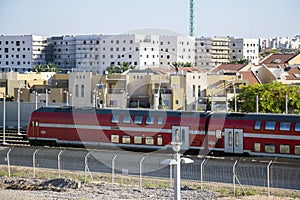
(243, 48)
(20, 53)
(176, 49)
(141, 51)
(203, 54)
(280, 43)
(211, 52)
(62, 52)
(87, 53)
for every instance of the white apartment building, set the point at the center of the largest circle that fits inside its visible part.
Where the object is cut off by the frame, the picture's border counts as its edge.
(87, 53)
(63, 52)
(244, 48)
(176, 49)
(141, 51)
(20, 53)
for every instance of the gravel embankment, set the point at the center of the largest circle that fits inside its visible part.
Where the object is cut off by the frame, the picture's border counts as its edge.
(35, 189)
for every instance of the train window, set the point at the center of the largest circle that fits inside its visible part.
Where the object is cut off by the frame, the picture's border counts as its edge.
(137, 139)
(150, 120)
(284, 148)
(126, 139)
(270, 125)
(285, 126)
(114, 138)
(138, 119)
(257, 147)
(257, 125)
(126, 119)
(149, 141)
(115, 119)
(218, 134)
(297, 149)
(160, 120)
(297, 127)
(230, 138)
(270, 148)
(236, 139)
(159, 140)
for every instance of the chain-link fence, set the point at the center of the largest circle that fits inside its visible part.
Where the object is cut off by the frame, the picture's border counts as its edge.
(240, 172)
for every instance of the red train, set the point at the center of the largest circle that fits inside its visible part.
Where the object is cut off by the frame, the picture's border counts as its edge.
(235, 133)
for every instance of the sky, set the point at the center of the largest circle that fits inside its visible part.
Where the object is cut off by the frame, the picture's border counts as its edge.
(237, 18)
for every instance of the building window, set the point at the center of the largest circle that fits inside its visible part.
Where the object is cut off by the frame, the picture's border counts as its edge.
(76, 90)
(194, 90)
(5, 50)
(82, 90)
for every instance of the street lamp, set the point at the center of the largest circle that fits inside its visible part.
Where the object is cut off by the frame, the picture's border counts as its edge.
(176, 146)
(36, 99)
(47, 99)
(4, 117)
(257, 100)
(286, 103)
(68, 94)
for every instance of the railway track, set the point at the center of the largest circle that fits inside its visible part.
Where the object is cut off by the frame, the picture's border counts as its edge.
(13, 138)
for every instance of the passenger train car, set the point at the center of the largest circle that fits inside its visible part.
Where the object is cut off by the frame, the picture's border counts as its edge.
(234, 133)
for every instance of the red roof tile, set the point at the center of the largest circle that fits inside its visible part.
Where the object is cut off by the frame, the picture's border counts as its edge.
(278, 58)
(250, 77)
(228, 68)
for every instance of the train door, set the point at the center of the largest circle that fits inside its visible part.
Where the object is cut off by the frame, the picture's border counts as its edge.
(233, 140)
(35, 128)
(181, 133)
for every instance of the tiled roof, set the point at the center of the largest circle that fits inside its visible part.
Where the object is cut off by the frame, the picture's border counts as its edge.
(228, 68)
(278, 58)
(250, 77)
(293, 73)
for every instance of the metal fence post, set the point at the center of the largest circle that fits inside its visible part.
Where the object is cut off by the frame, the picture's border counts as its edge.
(33, 161)
(8, 162)
(86, 165)
(233, 176)
(268, 177)
(113, 169)
(141, 162)
(201, 173)
(171, 175)
(58, 162)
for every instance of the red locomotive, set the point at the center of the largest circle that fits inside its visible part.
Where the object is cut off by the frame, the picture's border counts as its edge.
(235, 133)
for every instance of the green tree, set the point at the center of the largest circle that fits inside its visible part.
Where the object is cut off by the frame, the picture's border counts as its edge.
(272, 98)
(124, 66)
(51, 67)
(240, 61)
